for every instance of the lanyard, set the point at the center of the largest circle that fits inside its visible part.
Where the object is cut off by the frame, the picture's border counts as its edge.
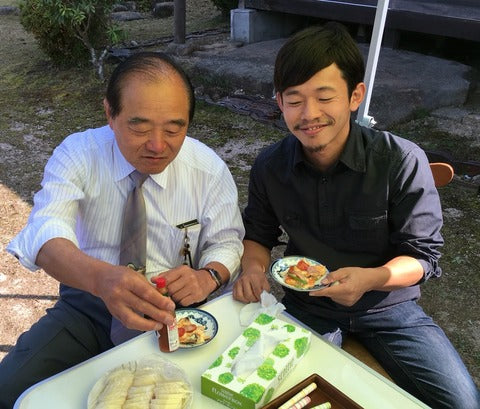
(185, 252)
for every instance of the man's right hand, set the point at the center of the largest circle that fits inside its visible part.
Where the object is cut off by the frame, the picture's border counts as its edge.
(253, 279)
(249, 286)
(129, 296)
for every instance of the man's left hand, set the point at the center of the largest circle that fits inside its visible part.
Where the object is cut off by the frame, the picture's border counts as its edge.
(346, 285)
(187, 286)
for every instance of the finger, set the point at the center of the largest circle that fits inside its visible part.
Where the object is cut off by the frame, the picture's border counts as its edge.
(186, 292)
(329, 280)
(131, 319)
(136, 313)
(258, 288)
(178, 278)
(188, 298)
(253, 290)
(154, 278)
(319, 293)
(237, 291)
(149, 296)
(328, 291)
(142, 323)
(157, 318)
(189, 290)
(243, 291)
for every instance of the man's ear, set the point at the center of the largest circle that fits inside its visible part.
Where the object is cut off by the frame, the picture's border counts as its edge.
(357, 97)
(106, 107)
(278, 97)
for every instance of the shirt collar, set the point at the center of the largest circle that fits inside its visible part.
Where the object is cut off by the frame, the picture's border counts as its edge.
(121, 167)
(353, 154)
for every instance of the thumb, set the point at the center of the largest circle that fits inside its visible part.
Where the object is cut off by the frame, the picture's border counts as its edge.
(332, 278)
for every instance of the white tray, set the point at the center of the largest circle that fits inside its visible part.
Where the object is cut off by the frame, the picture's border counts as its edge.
(69, 389)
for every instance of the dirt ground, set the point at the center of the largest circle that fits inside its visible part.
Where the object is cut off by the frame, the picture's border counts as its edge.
(40, 105)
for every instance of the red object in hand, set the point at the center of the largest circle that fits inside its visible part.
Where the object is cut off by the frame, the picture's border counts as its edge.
(161, 283)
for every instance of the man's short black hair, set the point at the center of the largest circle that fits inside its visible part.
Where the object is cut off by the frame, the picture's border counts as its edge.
(315, 48)
(147, 63)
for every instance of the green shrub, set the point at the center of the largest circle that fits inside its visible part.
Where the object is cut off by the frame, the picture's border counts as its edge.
(225, 6)
(71, 32)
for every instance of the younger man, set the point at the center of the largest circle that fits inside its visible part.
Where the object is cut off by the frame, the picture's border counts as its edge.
(362, 202)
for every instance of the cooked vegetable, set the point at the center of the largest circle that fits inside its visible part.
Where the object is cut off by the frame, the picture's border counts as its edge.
(303, 274)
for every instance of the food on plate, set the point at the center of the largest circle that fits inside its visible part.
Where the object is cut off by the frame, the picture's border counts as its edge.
(303, 274)
(138, 388)
(190, 332)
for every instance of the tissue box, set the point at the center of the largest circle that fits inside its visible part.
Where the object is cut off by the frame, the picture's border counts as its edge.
(256, 388)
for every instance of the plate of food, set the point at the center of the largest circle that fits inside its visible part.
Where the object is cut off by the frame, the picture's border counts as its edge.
(195, 327)
(152, 382)
(299, 273)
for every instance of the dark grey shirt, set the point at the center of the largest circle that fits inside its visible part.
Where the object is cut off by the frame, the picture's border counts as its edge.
(378, 201)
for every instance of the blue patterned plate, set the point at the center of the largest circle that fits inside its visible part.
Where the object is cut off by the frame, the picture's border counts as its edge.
(197, 318)
(279, 269)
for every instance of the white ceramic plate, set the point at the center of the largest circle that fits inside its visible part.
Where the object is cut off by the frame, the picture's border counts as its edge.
(198, 317)
(280, 267)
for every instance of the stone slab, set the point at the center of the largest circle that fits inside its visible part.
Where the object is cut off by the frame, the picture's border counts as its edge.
(405, 82)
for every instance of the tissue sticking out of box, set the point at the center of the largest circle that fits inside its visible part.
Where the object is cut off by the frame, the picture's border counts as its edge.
(268, 305)
(250, 358)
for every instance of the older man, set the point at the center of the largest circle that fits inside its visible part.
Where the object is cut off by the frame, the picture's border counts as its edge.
(192, 230)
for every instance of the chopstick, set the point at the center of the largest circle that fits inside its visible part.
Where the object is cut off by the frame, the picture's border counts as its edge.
(325, 405)
(301, 403)
(299, 396)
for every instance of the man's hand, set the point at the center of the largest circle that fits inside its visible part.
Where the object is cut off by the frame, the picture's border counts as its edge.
(346, 285)
(187, 286)
(353, 282)
(126, 293)
(253, 280)
(129, 296)
(249, 286)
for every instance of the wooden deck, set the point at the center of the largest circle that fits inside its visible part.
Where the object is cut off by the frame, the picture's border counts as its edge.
(449, 18)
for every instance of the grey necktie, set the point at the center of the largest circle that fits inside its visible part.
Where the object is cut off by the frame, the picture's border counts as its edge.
(133, 246)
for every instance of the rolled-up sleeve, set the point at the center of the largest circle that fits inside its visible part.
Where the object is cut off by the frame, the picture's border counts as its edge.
(54, 211)
(416, 214)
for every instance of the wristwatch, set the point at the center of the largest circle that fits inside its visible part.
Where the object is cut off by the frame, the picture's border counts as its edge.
(215, 276)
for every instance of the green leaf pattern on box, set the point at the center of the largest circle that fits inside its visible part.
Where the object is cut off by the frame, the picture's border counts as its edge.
(257, 387)
(253, 391)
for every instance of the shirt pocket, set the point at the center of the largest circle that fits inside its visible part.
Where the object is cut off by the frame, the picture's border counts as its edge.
(178, 240)
(368, 232)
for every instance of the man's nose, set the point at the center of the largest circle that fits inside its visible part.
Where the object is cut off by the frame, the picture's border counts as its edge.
(310, 110)
(156, 142)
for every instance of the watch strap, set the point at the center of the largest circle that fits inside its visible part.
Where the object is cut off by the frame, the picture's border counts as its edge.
(215, 276)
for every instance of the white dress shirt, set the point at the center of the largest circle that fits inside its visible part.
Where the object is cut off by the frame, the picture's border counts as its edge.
(83, 195)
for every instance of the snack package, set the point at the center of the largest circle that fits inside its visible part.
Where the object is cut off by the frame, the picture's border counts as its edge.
(153, 382)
